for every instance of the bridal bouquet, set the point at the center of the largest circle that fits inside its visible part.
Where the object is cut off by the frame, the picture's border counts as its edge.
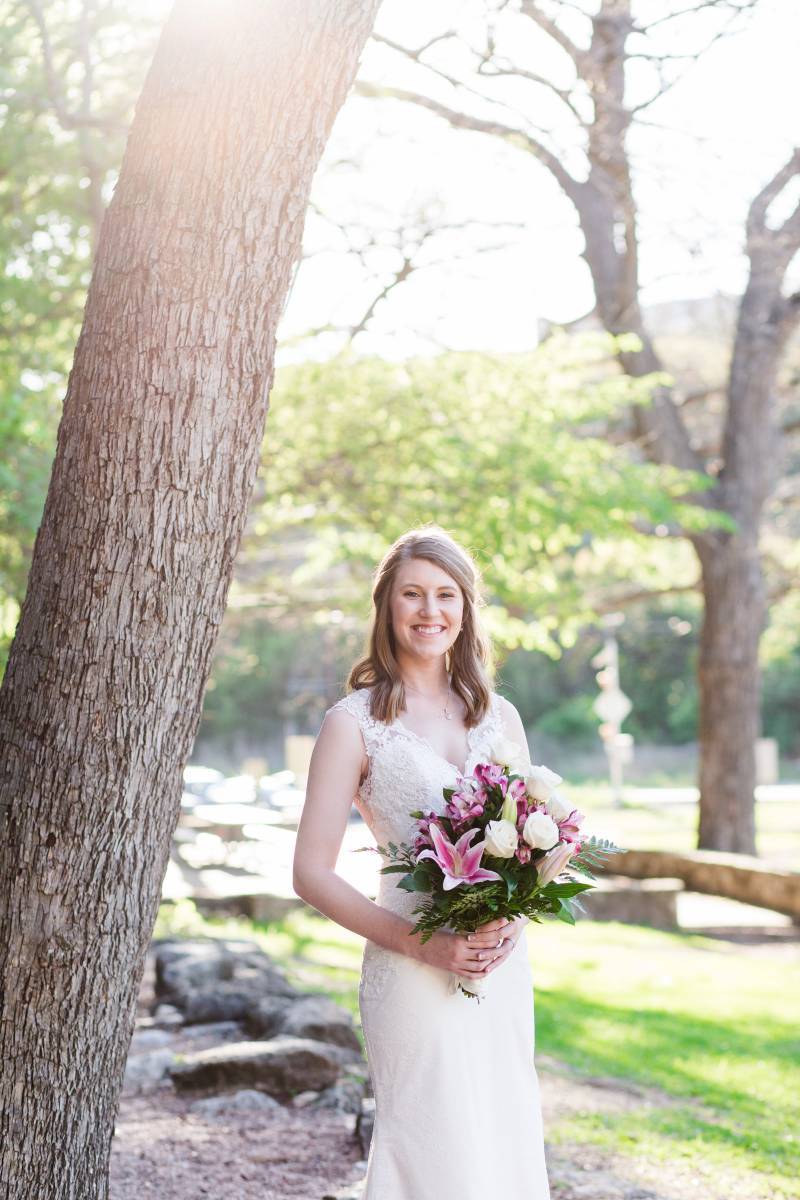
(507, 844)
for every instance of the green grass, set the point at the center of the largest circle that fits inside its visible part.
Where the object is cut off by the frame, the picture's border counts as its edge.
(714, 1028)
(709, 1025)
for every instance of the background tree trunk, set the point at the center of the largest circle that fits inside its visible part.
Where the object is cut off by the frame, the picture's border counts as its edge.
(156, 458)
(729, 683)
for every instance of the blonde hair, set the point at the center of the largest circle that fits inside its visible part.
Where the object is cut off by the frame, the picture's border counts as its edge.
(470, 664)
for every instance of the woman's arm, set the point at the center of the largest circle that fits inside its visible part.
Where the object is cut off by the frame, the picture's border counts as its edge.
(337, 765)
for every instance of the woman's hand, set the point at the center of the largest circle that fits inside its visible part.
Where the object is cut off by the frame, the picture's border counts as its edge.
(497, 939)
(473, 954)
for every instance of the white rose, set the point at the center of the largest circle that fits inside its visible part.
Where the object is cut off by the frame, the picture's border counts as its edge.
(540, 831)
(540, 782)
(558, 807)
(506, 753)
(501, 839)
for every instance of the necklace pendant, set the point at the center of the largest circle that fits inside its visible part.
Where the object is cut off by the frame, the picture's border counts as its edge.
(448, 716)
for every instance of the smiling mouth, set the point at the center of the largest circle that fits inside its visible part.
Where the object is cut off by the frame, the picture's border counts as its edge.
(428, 630)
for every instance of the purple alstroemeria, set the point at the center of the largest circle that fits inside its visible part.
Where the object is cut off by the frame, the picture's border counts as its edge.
(466, 803)
(490, 775)
(459, 863)
(569, 829)
(516, 789)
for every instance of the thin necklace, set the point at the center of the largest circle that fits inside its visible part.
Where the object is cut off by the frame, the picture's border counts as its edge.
(446, 710)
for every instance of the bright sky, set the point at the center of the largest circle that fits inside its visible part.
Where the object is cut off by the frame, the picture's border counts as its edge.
(708, 145)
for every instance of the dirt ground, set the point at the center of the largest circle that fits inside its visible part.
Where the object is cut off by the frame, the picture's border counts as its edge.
(163, 1150)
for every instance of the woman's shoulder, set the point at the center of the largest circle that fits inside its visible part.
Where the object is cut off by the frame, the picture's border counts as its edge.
(357, 702)
(503, 710)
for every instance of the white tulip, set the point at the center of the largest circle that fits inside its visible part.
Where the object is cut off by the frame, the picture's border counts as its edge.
(540, 831)
(541, 781)
(501, 839)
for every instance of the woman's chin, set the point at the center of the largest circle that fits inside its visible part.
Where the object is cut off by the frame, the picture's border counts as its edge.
(435, 648)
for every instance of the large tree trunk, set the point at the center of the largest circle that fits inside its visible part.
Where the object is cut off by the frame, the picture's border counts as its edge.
(157, 453)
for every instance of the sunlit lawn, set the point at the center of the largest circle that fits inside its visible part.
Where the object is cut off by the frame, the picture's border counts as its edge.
(713, 1027)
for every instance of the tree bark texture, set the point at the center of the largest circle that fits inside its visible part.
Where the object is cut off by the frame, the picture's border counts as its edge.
(156, 457)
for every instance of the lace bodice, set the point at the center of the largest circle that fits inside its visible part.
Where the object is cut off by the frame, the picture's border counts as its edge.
(406, 773)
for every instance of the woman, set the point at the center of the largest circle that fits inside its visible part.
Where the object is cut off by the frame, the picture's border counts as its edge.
(456, 1094)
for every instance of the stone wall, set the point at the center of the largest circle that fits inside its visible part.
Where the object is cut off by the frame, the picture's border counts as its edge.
(735, 876)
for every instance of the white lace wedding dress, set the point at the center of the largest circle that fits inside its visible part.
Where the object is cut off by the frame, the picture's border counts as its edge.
(457, 1105)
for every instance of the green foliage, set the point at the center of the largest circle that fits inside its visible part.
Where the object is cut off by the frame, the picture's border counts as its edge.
(657, 655)
(781, 702)
(574, 720)
(501, 450)
(62, 139)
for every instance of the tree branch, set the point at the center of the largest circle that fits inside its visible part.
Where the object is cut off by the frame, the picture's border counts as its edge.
(757, 214)
(643, 594)
(462, 120)
(415, 56)
(529, 9)
(734, 9)
(563, 94)
(81, 119)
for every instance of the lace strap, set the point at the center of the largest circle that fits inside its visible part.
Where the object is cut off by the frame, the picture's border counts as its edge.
(357, 703)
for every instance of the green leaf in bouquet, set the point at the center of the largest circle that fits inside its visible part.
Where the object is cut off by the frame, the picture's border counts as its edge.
(594, 850)
(565, 913)
(570, 888)
(509, 880)
(448, 794)
(418, 881)
(395, 869)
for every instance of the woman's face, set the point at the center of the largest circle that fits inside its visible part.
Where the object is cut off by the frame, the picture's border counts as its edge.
(427, 607)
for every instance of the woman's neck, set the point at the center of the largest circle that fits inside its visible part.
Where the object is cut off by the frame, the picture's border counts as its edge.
(427, 678)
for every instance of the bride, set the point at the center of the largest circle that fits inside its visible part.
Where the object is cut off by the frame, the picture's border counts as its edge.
(457, 1105)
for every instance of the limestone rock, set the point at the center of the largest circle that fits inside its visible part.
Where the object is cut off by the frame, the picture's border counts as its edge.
(283, 1067)
(321, 1019)
(216, 979)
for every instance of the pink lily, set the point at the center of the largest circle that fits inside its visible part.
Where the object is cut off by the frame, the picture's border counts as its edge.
(459, 863)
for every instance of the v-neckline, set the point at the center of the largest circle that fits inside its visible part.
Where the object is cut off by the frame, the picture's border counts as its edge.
(418, 737)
